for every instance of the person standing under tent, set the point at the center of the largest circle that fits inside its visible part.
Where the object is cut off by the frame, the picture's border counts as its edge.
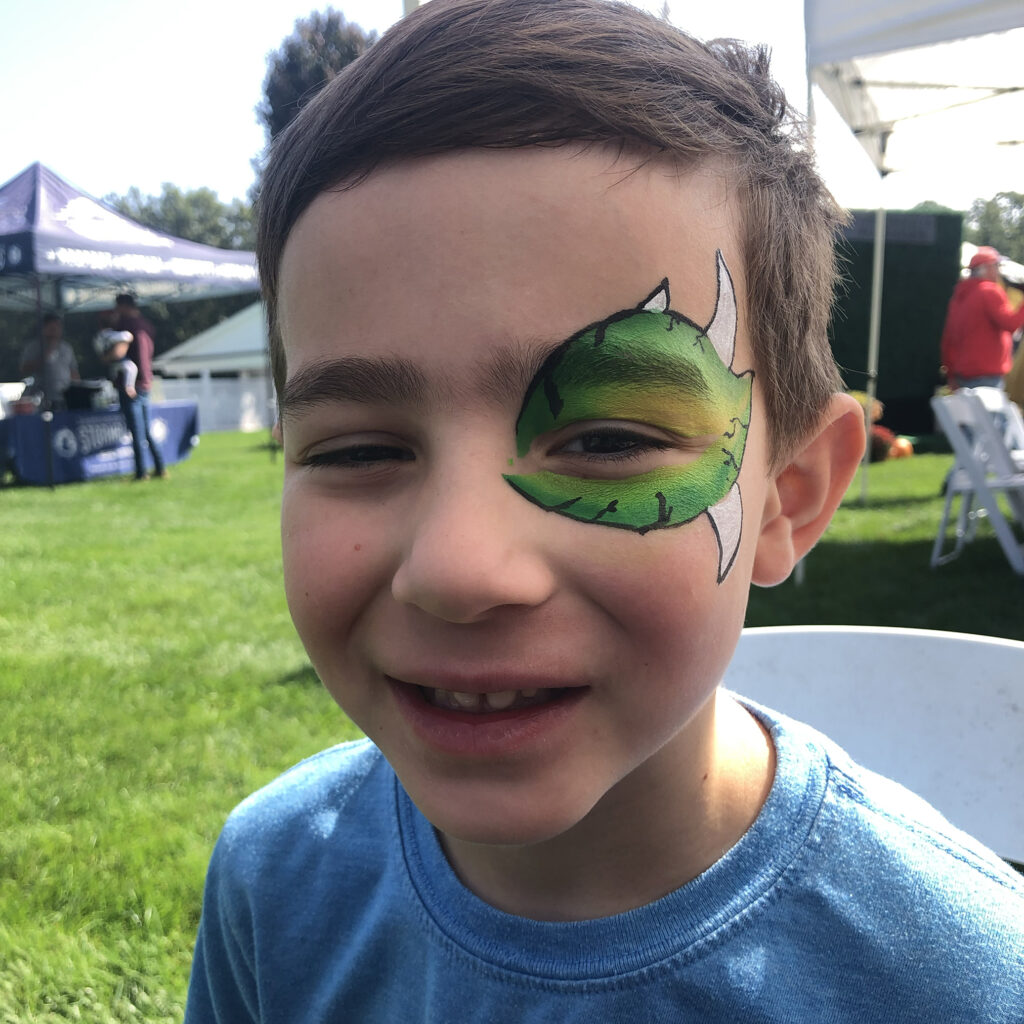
(136, 407)
(977, 340)
(51, 361)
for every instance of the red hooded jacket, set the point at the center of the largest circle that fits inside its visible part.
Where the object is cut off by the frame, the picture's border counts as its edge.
(977, 339)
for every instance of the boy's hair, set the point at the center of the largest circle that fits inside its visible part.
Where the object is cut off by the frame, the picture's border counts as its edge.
(456, 74)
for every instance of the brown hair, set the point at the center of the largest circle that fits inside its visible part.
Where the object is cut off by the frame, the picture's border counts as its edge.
(513, 73)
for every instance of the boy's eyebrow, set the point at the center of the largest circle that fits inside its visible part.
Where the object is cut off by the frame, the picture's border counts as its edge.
(352, 379)
(390, 380)
(639, 370)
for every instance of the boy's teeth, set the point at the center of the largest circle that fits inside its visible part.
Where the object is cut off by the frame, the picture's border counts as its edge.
(500, 701)
(457, 700)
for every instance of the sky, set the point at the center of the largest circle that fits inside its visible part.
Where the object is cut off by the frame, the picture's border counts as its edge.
(118, 93)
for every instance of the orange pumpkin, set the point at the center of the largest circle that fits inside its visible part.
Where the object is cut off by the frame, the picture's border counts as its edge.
(901, 448)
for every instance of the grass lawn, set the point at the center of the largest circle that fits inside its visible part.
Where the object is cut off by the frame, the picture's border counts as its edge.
(871, 568)
(150, 678)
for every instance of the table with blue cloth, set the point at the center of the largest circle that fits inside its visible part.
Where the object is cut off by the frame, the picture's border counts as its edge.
(89, 443)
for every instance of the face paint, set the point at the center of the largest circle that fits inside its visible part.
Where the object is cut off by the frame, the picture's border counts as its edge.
(654, 366)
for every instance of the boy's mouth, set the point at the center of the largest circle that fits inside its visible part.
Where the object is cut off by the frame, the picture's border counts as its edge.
(481, 720)
(482, 703)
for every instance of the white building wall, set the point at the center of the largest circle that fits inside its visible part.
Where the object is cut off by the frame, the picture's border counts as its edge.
(225, 403)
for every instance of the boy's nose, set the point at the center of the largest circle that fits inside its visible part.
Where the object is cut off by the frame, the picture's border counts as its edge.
(470, 553)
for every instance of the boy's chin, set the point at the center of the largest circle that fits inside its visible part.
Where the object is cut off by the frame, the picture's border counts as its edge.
(500, 819)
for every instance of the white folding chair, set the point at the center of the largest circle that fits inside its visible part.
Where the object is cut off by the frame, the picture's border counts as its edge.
(986, 433)
(1007, 418)
(941, 713)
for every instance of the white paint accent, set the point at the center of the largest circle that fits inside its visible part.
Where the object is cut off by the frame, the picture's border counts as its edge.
(727, 522)
(658, 302)
(722, 329)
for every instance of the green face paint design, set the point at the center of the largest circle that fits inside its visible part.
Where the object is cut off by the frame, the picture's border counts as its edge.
(648, 365)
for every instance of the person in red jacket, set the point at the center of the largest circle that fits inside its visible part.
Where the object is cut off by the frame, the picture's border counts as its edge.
(977, 340)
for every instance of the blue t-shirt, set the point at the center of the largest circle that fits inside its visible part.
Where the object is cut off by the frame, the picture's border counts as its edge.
(848, 900)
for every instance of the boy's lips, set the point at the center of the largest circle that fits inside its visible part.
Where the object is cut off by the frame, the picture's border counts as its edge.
(483, 716)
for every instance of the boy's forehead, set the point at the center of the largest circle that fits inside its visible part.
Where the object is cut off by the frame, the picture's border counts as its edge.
(513, 250)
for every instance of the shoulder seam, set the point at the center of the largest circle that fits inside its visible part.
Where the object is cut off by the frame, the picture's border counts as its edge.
(939, 840)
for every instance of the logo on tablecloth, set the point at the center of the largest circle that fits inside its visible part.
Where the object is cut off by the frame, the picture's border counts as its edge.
(102, 433)
(159, 430)
(65, 444)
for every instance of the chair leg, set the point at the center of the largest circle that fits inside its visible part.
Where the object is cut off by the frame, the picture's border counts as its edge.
(1012, 548)
(969, 516)
(963, 526)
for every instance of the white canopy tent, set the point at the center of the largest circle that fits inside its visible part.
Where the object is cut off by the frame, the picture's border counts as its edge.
(837, 30)
(921, 81)
(237, 344)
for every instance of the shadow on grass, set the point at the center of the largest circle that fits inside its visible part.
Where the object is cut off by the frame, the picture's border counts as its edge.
(894, 501)
(877, 583)
(306, 675)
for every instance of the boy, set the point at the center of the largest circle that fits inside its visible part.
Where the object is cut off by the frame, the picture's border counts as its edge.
(548, 284)
(112, 347)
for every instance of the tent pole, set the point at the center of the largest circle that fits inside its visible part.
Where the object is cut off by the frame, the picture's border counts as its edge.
(268, 376)
(811, 125)
(874, 329)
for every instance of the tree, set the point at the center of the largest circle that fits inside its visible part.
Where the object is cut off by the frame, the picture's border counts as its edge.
(998, 222)
(930, 206)
(308, 59)
(197, 215)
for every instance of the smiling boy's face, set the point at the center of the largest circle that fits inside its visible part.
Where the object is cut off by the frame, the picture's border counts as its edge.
(520, 666)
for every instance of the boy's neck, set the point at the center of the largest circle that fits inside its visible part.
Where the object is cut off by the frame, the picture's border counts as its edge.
(665, 824)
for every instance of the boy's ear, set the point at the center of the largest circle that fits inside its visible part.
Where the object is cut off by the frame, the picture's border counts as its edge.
(804, 494)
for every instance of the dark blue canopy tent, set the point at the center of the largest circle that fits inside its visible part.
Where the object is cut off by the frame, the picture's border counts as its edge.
(62, 249)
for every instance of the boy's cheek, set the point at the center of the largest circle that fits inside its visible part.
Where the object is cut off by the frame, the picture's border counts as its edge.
(681, 623)
(324, 557)
(665, 580)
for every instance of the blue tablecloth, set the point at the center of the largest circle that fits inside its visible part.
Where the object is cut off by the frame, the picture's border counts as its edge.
(82, 445)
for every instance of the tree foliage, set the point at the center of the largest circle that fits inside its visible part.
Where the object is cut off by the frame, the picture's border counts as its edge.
(308, 59)
(998, 222)
(197, 215)
(931, 206)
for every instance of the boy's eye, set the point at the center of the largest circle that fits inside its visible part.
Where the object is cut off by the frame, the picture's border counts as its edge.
(612, 443)
(358, 456)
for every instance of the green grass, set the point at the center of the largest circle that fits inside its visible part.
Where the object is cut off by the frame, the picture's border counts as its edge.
(150, 678)
(872, 566)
